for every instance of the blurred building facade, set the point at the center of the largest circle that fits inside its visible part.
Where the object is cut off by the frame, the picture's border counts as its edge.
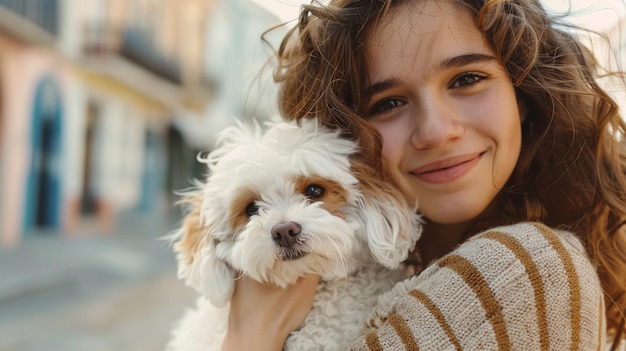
(617, 60)
(607, 40)
(104, 104)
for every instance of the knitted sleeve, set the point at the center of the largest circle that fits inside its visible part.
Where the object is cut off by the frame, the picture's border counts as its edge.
(519, 287)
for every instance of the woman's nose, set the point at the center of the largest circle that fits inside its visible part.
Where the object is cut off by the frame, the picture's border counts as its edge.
(436, 123)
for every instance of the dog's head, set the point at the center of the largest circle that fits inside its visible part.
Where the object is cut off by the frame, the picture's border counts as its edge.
(289, 202)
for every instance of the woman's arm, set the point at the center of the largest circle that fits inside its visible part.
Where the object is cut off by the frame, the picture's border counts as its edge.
(521, 287)
(262, 316)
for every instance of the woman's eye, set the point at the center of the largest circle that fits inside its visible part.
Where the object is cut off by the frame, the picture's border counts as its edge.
(384, 106)
(252, 209)
(314, 191)
(467, 80)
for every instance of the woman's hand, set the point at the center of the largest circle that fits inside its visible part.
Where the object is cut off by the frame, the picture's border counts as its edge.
(262, 316)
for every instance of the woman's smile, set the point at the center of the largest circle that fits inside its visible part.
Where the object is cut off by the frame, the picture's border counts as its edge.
(447, 170)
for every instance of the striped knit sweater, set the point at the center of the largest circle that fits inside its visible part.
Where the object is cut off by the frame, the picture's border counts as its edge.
(519, 287)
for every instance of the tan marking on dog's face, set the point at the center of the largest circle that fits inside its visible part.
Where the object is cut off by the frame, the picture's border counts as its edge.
(195, 236)
(238, 215)
(334, 195)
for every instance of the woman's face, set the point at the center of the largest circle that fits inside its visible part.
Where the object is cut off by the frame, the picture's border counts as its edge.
(445, 107)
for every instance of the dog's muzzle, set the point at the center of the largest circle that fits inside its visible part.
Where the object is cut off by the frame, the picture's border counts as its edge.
(287, 236)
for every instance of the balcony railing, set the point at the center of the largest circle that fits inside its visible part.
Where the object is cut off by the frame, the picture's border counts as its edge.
(100, 39)
(137, 46)
(43, 13)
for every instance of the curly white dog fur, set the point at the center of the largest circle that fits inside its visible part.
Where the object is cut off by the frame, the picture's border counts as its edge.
(283, 204)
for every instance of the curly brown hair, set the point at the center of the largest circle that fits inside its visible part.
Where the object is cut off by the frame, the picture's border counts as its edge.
(572, 168)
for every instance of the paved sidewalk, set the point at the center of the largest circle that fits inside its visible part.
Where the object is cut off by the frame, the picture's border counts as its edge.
(116, 292)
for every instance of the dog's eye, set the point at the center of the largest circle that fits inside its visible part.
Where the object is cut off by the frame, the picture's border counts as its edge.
(314, 191)
(252, 209)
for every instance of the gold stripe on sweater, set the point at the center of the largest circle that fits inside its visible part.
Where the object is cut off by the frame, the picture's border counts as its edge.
(372, 342)
(601, 328)
(474, 279)
(437, 314)
(403, 331)
(572, 280)
(535, 279)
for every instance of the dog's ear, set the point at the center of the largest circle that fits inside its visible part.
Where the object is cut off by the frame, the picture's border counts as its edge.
(198, 264)
(391, 225)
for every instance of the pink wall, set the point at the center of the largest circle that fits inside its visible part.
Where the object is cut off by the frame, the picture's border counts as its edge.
(22, 67)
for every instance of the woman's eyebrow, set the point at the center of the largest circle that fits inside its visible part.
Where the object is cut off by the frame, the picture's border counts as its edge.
(462, 60)
(382, 86)
(450, 62)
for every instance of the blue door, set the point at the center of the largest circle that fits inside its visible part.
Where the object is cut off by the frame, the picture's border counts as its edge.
(43, 193)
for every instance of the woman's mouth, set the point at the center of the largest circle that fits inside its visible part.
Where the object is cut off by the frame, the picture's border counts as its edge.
(446, 170)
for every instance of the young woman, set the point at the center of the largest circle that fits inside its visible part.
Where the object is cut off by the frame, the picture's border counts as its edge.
(489, 113)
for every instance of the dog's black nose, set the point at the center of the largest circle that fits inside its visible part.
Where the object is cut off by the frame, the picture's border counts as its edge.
(285, 233)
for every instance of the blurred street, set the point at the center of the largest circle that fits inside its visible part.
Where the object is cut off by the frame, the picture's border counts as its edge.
(91, 293)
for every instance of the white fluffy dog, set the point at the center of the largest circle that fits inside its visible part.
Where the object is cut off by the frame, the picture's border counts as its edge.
(290, 202)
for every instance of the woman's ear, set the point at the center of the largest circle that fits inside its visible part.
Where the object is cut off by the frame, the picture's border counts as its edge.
(391, 226)
(198, 264)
